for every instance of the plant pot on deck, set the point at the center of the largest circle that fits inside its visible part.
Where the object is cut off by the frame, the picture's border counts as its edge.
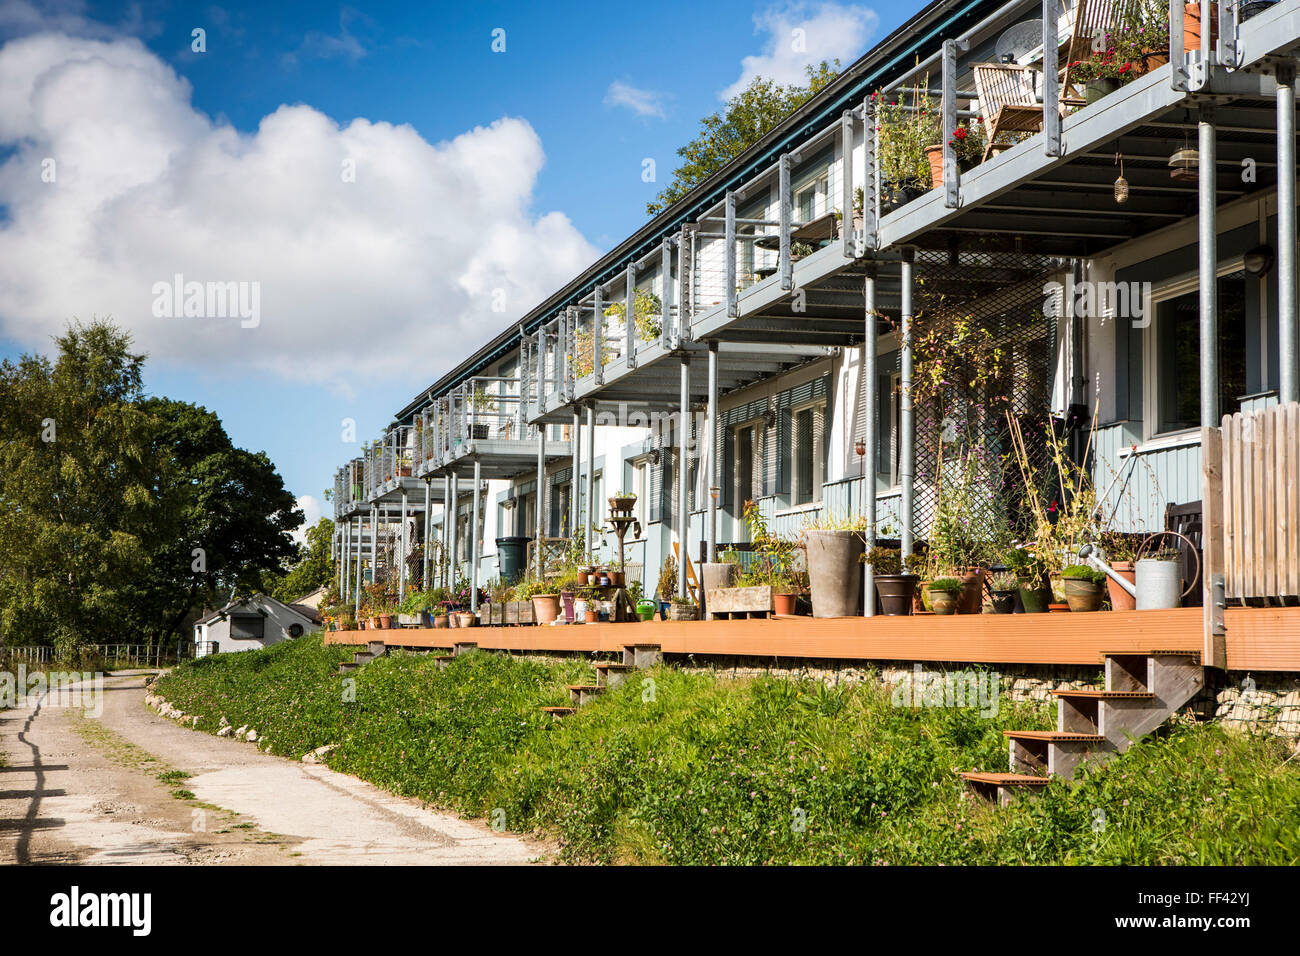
(935, 155)
(784, 604)
(1082, 594)
(683, 612)
(834, 572)
(897, 593)
(944, 602)
(546, 607)
(1004, 602)
(1035, 599)
(972, 591)
(1121, 600)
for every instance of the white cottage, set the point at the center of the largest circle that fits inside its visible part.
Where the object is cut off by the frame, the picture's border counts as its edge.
(250, 623)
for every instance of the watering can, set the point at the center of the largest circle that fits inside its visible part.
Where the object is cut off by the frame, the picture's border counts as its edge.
(1158, 584)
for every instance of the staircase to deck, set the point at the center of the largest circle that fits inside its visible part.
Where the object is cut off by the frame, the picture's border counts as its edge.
(1142, 691)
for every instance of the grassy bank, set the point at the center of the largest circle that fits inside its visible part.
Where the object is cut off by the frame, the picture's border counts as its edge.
(692, 768)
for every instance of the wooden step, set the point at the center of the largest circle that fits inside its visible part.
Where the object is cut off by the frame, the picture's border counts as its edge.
(580, 694)
(610, 674)
(559, 711)
(1000, 786)
(1159, 653)
(1050, 735)
(1106, 694)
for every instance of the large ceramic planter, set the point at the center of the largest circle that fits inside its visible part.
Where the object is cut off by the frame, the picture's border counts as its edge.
(1083, 595)
(1121, 600)
(896, 593)
(1035, 600)
(944, 602)
(835, 572)
(440, 621)
(683, 612)
(546, 607)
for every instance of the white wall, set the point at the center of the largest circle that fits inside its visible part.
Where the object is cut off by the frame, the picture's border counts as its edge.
(278, 621)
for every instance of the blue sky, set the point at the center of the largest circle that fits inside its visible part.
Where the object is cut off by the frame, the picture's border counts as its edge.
(594, 89)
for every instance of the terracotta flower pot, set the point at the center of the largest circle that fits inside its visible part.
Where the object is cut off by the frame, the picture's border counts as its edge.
(582, 577)
(1192, 26)
(1058, 608)
(385, 622)
(935, 155)
(591, 616)
(440, 620)
(972, 591)
(1121, 600)
(465, 619)
(944, 602)
(784, 603)
(546, 607)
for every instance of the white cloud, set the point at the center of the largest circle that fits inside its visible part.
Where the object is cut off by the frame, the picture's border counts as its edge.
(395, 274)
(311, 509)
(799, 34)
(641, 102)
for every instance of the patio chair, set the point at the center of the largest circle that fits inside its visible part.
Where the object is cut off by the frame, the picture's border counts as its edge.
(1008, 96)
(1091, 18)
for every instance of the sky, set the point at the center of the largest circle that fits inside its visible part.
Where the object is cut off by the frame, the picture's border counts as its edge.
(361, 195)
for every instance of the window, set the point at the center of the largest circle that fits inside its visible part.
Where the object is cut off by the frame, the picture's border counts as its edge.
(748, 458)
(641, 487)
(810, 201)
(247, 627)
(807, 453)
(1177, 354)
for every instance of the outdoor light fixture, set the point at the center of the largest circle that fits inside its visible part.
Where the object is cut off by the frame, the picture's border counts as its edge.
(1184, 165)
(769, 418)
(1259, 261)
(1121, 184)
(715, 491)
(653, 457)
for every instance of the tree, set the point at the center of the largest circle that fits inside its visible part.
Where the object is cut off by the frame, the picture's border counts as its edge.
(120, 514)
(745, 119)
(315, 567)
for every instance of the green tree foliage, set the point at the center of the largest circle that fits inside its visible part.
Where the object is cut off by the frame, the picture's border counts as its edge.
(745, 119)
(314, 568)
(105, 495)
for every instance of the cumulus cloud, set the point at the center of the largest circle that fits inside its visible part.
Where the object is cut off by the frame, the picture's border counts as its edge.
(374, 251)
(799, 34)
(641, 102)
(310, 507)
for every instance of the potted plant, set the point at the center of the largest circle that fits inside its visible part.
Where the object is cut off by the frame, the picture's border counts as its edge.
(480, 402)
(894, 588)
(622, 502)
(1005, 586)
(1084, 587)
(667, 585)
(800, 250)
(907, 122)
(683, 609)
(647, 314)
(1031, 576)
(833, 547)
(944, 594)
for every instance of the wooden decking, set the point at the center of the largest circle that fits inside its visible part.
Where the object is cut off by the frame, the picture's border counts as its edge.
(1263, 639)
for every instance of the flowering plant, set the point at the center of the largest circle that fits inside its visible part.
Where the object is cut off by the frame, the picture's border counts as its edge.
(908, 122)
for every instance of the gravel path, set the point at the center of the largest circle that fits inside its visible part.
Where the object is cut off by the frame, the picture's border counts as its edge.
(132, 787)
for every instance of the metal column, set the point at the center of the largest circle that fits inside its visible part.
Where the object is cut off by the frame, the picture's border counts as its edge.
(374, 544)
(345, 565)
(540, 498)
(683, 440)
(1207, 221)
(907, 428)
(424, 570)
(575, 481)
(450, 518)
(445, 563)
(356, 592)
(869, 418)
(1287, 326)
(401, 559)
(474, 534)
(712, 452)
(589, 516)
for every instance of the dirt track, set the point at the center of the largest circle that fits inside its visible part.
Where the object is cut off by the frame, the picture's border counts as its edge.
(131, 787)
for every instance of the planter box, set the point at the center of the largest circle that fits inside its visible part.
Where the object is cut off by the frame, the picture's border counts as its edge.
(727, 603)
(510, 612)
(410, 620)
(519, 612)
(496, 613)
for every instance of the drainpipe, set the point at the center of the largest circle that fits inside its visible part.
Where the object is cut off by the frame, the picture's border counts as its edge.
(474, 533)
(712, 435)
(869, 436)
(683, 516)
(1207, 221)
(1288, 332)
(906, 440)
(374, 543)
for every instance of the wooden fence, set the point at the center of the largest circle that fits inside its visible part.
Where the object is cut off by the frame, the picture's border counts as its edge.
(1251, 494)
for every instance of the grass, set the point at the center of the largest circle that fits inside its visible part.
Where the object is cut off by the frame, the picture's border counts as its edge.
(690, 768)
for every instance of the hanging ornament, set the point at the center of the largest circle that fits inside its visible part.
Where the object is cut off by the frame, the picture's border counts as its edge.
(1121, 184)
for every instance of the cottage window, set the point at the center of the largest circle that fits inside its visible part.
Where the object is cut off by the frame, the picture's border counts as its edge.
(247, 627)
(1177, 354)
(807, 453)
